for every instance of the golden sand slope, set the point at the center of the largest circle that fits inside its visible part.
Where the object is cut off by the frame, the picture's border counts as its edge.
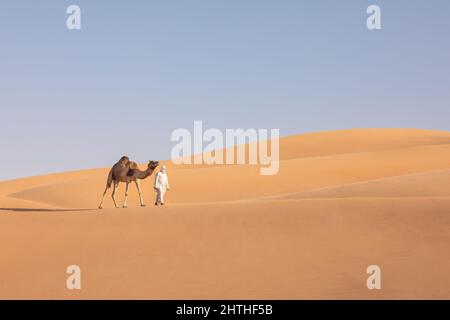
(342, 200)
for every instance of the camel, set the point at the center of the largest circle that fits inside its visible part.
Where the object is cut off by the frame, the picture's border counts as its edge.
(127, 171)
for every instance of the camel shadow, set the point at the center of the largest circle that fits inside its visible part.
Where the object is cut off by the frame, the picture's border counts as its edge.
(43, 210)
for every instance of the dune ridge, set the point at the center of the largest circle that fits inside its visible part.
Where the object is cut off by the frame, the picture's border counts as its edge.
(341, 201)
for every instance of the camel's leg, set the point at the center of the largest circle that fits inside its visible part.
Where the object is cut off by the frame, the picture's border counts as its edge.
(126, 196)
(138, 186)
(116, 186)
(103, 198)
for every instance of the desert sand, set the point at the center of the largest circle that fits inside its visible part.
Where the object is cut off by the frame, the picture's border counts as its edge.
(342, 200)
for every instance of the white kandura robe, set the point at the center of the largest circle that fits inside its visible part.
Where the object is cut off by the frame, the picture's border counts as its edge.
(161, 185)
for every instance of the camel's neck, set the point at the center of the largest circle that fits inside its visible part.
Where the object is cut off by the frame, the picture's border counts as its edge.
(145, 174)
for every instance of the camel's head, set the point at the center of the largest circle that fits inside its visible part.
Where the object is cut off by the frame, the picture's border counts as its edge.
(153, 164)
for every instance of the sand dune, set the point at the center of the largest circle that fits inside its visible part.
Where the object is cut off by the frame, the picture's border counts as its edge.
(418, 185)
(341, 201)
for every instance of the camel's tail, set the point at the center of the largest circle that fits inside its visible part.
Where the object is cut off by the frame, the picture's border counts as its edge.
(110, 179)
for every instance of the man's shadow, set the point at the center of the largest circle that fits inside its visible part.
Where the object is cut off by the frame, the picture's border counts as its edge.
(43, 210)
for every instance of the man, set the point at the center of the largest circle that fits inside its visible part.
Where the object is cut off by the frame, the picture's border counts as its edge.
(161, 185)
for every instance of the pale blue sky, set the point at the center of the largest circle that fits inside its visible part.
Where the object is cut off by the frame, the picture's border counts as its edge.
(140, 69)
